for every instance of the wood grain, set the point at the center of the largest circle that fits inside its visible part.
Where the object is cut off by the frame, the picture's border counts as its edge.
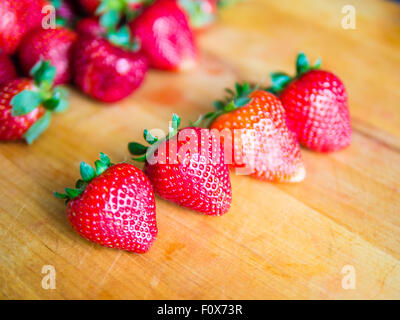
(278, 241)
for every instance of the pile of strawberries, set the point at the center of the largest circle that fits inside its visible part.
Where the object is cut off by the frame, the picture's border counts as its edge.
(104, 47)
(254, 130)
(114, 205)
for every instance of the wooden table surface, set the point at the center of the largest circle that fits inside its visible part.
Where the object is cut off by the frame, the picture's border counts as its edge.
(278, 241)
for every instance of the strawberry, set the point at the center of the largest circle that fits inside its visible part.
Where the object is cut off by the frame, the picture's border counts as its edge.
(165, 36)
(105, 71)
(26, 105)
(202, 13)
(189, 169)
(113, 205)
(7, 69)
(90, 27)
(16, 19)
(316, 106)
(261, 142)
(54, 45)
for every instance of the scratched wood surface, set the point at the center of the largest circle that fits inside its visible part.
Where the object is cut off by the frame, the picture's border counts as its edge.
(278, 241)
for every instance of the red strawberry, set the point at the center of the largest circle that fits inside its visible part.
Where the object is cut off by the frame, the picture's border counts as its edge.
(16, 19)
(105, 71)
(26, 105)
(262, 144)
(113, 205)
(190, 173)
(165, 36)
(7, 69)
(202, 13)
(54, 45)
(90, 27)
(316, 106)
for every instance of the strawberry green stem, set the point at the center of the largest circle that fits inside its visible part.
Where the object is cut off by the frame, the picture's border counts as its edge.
(280, 80)
(112, 12)
(235, 100)
(87, 175)
(140, 150)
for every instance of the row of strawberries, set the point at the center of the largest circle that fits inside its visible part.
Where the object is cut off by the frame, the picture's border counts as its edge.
(114, 205)
(106, 54)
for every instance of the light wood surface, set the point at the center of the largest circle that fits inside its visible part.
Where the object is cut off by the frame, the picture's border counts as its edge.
(278, 241)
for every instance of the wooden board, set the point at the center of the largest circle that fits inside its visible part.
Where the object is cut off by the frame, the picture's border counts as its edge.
(278, 241)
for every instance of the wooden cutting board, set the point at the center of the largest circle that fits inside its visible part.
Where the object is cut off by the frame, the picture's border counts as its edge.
(308, 240)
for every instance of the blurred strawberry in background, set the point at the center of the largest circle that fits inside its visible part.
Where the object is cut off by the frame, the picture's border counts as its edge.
(16, 19)
(54, 45)
(161, 35)
(108, 68)
(164, 33)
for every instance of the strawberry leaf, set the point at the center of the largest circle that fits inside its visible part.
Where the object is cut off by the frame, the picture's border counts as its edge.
(302, 64)
(219, 105)
(110, 19)
(137, 148)
(56, 3)
(176, 122)
(242, 102)
(246, 88)
(141, 159)
(62, 22)
(43, 71)
(87, 172)
(103, 164)
(80, 184)
(100, 167)
(73, 193)
(279, 81)
(149, 137)
(318, 63)
(61, 195)
(121, 37)
(25, 102)
(38, 128)
(105, 159)
(51, 104)
(230, 107)
(62, 95)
